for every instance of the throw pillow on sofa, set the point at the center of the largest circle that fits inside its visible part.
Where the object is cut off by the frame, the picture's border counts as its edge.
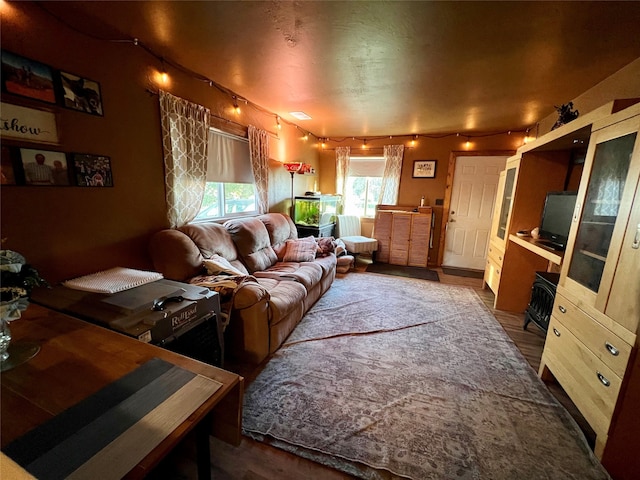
(301, 250)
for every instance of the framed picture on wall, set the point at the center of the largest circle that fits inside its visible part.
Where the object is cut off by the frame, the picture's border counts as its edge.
(424, 169)
(44, 167)
(92, 170)
(27, 78)
(80, 93)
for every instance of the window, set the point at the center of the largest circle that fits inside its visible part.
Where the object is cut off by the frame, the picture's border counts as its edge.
(364, 182)
(229, 190)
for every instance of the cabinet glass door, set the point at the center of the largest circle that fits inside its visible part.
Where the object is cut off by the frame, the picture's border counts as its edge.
(507, 197)
(601, 205)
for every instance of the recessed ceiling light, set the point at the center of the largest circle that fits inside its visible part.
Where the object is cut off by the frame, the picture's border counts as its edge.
(300, 115)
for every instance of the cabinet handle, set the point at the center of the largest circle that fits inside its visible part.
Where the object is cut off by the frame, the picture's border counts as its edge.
(562, 309)
(500, 258)
(603, 379)
(556, 332)
(612, 350)
(636, 240)
(576, 212)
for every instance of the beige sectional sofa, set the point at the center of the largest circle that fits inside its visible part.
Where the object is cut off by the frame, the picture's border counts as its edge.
(266, 276)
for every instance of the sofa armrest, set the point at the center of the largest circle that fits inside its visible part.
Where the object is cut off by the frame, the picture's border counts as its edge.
(248, 294)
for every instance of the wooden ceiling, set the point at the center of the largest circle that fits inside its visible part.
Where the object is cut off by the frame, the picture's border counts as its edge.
(371, 68)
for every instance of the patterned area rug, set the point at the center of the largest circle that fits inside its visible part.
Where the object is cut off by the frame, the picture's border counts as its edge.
(391, 377)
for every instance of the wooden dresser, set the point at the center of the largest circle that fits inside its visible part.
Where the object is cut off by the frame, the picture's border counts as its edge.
(404, 236)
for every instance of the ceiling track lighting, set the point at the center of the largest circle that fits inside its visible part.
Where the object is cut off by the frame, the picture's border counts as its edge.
(236, 108)
(278, 123)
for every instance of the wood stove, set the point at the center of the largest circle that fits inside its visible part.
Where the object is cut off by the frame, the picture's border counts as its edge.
(543, 294)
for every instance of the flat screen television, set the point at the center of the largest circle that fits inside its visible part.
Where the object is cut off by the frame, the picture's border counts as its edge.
(556, 219)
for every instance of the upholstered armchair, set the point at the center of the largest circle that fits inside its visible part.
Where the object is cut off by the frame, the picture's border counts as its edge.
(348, 230)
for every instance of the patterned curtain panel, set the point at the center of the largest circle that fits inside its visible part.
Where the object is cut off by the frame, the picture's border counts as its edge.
(185, 134)
(391, 178)
(342, 170)
(259, 148)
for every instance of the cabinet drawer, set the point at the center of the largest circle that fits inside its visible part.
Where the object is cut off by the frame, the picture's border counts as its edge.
(492, 275)
(496, 253)
(590, 384)
(603, 343)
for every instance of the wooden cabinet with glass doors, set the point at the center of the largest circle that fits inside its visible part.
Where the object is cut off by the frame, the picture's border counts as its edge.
(499, 235)
(591, 345)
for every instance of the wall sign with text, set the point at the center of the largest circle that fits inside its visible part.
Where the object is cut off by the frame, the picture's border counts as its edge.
(28, 124)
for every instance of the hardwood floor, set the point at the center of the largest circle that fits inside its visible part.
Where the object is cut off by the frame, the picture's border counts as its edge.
(252, 460)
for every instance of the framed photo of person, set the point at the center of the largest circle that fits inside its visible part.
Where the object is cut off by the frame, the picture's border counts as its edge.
(92, 170)
(424, 169)
(27, 78)
(44, 167)
(80, 93)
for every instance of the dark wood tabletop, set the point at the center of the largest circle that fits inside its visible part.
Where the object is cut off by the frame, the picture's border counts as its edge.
(77, 359)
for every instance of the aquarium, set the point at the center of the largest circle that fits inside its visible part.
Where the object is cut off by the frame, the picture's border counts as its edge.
(316, 210)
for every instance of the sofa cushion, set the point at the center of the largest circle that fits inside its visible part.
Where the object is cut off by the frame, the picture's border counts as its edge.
(308, 274)
(252, 243)
(284, 296)
(301, 250)
(327, 263)
(280, 228)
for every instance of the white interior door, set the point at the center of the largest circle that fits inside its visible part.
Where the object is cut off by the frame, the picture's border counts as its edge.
(473, 193)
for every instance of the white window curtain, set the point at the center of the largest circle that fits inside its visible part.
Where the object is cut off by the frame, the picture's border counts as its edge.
(342, 170)
(185, 130)
(259, 148)
(391, 178)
